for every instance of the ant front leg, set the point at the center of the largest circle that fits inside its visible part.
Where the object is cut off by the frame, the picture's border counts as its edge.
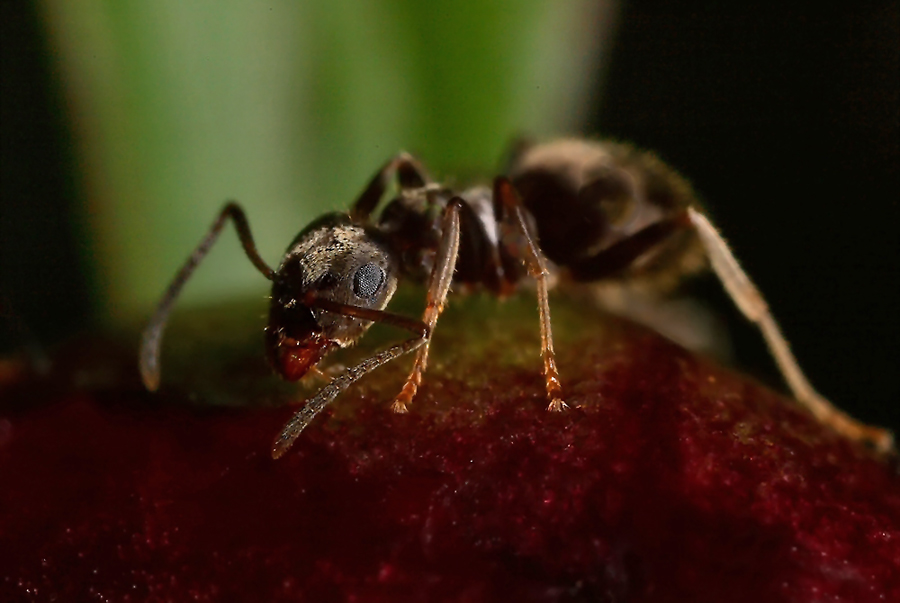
(151, 339)
(438, 287)
(751, 303)
(410, 174)
(509, 206)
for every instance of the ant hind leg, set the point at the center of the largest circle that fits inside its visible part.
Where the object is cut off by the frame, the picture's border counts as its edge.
(751, 303)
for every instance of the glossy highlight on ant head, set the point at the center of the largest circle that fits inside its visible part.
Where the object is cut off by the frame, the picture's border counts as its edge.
(331, 260)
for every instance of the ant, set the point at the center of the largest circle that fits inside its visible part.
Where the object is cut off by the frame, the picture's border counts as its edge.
(588, 210)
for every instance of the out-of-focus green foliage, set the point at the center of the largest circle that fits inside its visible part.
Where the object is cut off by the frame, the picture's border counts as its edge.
(289, 107)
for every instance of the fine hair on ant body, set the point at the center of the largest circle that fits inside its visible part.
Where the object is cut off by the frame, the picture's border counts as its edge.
(590, 210)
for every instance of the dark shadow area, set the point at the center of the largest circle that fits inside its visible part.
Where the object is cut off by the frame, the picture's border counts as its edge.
(785, 119)
(44, 288)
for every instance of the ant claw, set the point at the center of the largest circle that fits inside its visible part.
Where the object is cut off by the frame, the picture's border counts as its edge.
(399, 407)
(557, 405)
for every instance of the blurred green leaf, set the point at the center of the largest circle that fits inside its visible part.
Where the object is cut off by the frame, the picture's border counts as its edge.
(289, 107)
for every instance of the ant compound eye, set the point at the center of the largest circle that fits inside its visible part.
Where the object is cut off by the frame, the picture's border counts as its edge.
(368, 280)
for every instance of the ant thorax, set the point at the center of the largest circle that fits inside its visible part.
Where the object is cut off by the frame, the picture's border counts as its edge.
(412, 223)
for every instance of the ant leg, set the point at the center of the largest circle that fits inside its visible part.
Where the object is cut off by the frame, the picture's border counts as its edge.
(151, 338)
(620, 255)
(410, 174)
(438, 287)
(751, 303)
(507, 201)
(327, 394)
(483, 263)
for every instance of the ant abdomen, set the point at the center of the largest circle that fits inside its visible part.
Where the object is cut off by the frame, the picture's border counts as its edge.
(586, 197)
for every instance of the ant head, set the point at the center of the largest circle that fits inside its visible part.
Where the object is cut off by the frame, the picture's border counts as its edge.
(335, 261)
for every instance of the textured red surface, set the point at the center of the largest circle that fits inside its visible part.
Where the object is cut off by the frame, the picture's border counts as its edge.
(674, 481)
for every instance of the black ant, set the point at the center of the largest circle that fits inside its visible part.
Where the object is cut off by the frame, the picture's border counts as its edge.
(588, 210)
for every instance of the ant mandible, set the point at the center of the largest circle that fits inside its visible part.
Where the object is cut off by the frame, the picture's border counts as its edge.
(591, 210)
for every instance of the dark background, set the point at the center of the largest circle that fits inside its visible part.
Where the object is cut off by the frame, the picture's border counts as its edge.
(44, 288)
(784, 118)
(786, 121)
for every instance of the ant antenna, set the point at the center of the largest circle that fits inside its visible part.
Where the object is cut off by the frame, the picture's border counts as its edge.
(151, 340)
(327, 394)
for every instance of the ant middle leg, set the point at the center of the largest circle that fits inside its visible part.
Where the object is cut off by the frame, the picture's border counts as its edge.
(509, 207)
(438, 287)
(622, 254)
